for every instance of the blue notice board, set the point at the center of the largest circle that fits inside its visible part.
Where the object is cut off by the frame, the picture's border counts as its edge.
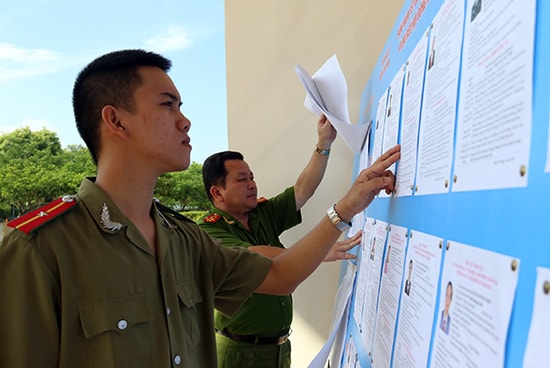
(510, 220)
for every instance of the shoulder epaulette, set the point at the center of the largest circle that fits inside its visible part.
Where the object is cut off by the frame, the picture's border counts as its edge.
(34, 219)
(212, 219)
(261, 200)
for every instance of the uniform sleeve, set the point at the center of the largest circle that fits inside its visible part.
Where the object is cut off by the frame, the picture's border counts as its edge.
(29, 336)
(281, 211)
(236, 273)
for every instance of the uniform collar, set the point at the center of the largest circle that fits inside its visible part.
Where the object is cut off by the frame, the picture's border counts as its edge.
(230, 220)
(105, 213)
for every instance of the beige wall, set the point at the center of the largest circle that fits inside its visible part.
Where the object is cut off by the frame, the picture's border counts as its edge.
(270, 126)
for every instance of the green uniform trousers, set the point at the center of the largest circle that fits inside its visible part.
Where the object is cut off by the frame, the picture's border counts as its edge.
(237, 354)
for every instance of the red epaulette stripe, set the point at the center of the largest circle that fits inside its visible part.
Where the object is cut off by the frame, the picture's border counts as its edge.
(261, 200)
(34, 219)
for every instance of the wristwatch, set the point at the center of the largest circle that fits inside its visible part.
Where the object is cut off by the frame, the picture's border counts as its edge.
(337, 220)
(322, 152)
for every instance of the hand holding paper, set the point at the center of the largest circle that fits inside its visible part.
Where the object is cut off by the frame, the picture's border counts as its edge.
(327, 94)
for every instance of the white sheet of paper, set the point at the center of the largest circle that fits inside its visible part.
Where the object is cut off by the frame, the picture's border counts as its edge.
(437, 122)
(379, 127)
(373, 284)
(418, 298)
(483, 287)
(390, 290)
(537, 354)
(393, 112)
(367, 252)
(391, 129)
(350, 356)
(327, 93)
(494, 118)
(339, 320)
(356, 223)
(412, 97)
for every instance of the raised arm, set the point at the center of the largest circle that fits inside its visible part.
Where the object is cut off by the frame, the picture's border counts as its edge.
(311, 176)
(293, 266)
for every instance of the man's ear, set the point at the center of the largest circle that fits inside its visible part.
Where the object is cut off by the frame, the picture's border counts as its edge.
(110, 118)
(216, 193)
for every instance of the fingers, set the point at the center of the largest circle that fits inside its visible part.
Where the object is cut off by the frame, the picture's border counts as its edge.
(387, 159)
(349, 243)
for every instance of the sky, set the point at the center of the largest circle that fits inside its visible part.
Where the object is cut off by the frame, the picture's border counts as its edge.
(45, 43)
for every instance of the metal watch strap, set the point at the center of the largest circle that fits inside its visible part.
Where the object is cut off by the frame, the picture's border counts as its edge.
(337, 220)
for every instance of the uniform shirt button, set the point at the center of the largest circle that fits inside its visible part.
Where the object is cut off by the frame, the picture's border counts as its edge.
(168, 311)
(122, 324)
(177, 360)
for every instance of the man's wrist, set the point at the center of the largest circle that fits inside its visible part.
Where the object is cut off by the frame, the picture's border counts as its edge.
(337, 220)
(322, 151)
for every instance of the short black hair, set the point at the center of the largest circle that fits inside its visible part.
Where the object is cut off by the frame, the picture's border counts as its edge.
(213, 169)
(111, 79)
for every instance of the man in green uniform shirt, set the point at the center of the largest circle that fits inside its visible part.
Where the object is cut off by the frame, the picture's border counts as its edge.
(257, 335)
(110, 278)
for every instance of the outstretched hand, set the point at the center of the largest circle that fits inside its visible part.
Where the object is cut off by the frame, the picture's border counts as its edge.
(340, 248)
(368, 184)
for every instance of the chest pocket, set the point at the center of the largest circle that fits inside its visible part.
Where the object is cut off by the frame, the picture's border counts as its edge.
(117, 331)
(189, 295)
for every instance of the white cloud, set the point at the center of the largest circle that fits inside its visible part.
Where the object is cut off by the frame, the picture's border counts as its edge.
(17, 62)
(171, 39)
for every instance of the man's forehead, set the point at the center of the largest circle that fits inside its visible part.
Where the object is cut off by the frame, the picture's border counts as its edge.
(237, 167)
(158, 81)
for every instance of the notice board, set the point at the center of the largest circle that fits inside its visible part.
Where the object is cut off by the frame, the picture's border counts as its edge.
(453, 267)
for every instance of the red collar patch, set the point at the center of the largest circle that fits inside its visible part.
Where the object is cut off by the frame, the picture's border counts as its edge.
(212, 219)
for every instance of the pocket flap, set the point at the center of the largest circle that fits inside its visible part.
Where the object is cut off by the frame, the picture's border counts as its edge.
(114, 315)
(189, 293)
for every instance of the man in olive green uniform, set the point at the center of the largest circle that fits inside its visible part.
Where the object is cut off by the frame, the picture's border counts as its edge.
(257, 335)
(110, 278)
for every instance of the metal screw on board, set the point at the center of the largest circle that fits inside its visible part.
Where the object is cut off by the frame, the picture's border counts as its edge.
(522, 170)
(448, 245)
(446, 183)
(546, 287)
(441, 244)
(514, 265)
(455, 179)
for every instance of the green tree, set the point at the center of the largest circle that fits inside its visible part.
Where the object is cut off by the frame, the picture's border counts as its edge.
(183, 190)
(36, 170)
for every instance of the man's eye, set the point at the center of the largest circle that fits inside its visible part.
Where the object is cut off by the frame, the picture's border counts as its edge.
(169, 104)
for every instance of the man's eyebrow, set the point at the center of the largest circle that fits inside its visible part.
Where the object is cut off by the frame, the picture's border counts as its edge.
(172, 96)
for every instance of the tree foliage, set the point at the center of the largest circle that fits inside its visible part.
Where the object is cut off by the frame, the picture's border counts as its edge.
(183, 190)
(35, 169)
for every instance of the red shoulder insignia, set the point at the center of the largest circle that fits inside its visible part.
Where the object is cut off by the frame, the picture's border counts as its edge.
(261, 200)
(32, 220)
(212, 219)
